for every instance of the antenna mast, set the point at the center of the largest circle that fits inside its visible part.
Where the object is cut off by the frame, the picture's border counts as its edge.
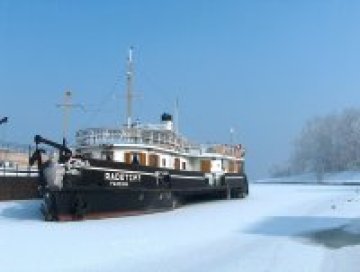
(232, 131)
(129, 86)
(176, 115)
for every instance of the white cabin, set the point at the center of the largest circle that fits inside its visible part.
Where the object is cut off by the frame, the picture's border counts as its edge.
(158, 145)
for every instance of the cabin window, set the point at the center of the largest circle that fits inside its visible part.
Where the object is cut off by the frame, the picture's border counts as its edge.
(232, 167)
(240, 167)
(183, 164)
(87, 155)
(205, 166)
(135, 159)
(164, 162)
(142, 158)
(177, 164)
(107, 155)
(154, 160)
(127, 157)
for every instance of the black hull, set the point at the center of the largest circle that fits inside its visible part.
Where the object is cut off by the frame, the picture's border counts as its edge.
(77, 204)
(106, 188)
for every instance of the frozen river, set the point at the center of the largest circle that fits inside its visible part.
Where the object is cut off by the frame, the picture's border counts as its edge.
(277, 228)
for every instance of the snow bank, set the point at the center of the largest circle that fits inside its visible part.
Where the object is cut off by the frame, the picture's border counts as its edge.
(347, 177)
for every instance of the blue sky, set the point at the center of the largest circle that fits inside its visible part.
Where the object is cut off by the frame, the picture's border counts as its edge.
(261, 67)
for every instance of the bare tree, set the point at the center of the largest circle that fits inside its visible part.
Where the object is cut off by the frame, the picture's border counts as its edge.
(327, 144)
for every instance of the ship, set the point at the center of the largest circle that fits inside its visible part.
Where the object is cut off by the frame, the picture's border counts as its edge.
(135, 168)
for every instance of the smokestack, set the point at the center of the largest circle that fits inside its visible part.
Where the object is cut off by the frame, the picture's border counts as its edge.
(167, 120)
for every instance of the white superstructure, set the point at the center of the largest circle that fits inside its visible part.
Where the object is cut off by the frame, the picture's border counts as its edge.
(158, 146)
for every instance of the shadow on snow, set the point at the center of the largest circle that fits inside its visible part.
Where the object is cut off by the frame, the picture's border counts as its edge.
(22, 210)
(330, 232)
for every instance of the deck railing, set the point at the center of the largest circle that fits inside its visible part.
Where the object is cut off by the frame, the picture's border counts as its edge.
(157, 137)
(152, 136)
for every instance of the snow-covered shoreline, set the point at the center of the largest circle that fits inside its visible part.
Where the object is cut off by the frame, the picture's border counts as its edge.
(337, 178)
(277, 228)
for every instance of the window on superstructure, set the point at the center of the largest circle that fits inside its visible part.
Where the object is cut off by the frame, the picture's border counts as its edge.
(164, 162)
(183, 165)
(87, 155)
(135, 159)
(107, 155)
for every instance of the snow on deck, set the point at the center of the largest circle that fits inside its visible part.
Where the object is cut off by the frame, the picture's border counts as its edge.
(277, 228)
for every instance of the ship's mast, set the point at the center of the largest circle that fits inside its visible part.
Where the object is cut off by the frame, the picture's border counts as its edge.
(66, 106)
(129, 87)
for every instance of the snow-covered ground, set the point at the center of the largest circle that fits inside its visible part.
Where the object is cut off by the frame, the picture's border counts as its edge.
(277, 228)
(346, 177)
